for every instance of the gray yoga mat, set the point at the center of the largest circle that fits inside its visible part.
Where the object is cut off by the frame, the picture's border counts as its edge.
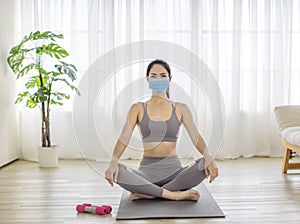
(205, 207)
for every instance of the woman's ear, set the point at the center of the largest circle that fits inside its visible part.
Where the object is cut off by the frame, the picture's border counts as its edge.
(170, 77)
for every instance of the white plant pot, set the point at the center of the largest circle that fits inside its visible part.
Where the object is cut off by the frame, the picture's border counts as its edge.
(48, 156)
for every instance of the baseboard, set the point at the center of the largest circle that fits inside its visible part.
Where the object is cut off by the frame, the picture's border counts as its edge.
(8, 163)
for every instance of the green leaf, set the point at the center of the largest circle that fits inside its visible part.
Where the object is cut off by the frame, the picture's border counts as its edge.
(36, 35)
(53, 74)
(33, 82)
(15, 62)
(41, 95)
(45, 34)
(56, 103)
(58, 98)
(50, 35)
(31, 103)
(25, 70)
(39, 50)
(74, 67)
(67, 69)
(21, 96)
(68, 84)
(15, 49)
(63, 95)
(55, 50)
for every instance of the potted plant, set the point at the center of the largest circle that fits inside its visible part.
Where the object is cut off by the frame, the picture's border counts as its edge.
(38, 59)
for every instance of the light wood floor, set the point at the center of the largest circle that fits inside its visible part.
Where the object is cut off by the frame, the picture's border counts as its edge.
(247, 190)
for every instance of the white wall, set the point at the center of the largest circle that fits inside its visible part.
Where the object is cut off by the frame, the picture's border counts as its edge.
(9, 141)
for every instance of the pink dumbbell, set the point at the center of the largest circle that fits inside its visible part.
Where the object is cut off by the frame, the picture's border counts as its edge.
(89, 208)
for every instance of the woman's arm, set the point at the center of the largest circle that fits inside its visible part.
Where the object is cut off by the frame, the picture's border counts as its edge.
(126, 133)
(189, 124)
(112, 170)
(198, 141)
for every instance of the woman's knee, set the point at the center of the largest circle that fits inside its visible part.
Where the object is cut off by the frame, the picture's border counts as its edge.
(200, 164)
(122, 173)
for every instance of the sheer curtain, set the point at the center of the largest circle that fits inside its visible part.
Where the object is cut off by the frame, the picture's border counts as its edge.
(251, 48)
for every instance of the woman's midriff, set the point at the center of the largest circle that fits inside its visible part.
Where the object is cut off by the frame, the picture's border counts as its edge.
(159, 149)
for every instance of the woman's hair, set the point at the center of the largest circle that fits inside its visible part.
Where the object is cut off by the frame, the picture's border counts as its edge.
(164, 64)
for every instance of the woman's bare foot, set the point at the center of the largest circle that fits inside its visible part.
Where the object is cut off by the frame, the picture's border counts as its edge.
(136, 196)
(187, 195)
(190, 194)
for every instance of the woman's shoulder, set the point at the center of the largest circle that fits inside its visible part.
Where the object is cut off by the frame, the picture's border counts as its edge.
(179, 104)
(182, 107)
(137, 106)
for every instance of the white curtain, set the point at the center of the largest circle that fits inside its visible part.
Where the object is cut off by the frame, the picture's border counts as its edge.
(251, 48)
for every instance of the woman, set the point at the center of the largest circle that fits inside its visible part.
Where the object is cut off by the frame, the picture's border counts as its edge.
(160, 173)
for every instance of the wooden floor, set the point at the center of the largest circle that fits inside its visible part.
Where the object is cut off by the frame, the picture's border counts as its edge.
(247, 190)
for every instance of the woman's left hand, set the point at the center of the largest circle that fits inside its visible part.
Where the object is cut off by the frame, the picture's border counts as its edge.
(211, 169)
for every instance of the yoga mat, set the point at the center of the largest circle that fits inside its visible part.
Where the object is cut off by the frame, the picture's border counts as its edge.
(205, 207)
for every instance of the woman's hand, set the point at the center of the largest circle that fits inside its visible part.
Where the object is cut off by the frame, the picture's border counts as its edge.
(111, 173)
(211, 169)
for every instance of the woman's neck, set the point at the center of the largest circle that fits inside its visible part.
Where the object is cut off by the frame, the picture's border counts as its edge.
(159, 98)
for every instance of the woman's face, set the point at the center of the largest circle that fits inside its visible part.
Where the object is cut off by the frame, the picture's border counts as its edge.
(158, 71)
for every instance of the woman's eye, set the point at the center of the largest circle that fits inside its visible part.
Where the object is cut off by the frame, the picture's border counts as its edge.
(156, 77)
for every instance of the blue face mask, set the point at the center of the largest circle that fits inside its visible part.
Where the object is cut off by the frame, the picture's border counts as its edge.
(159, 85)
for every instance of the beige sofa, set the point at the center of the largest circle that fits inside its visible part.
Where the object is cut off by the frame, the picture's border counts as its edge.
(288, 122)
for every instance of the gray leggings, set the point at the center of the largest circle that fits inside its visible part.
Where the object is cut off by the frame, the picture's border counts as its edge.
(155, 174)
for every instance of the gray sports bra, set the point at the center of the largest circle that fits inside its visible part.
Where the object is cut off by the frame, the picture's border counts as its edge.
(159, 131)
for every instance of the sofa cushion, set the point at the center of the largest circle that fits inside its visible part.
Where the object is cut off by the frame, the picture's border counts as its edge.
(287, 116)
(291, 135)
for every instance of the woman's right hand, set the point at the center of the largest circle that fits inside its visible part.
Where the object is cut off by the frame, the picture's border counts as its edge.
(111, 173)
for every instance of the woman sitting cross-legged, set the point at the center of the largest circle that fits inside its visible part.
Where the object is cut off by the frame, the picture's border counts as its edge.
(160, 173)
